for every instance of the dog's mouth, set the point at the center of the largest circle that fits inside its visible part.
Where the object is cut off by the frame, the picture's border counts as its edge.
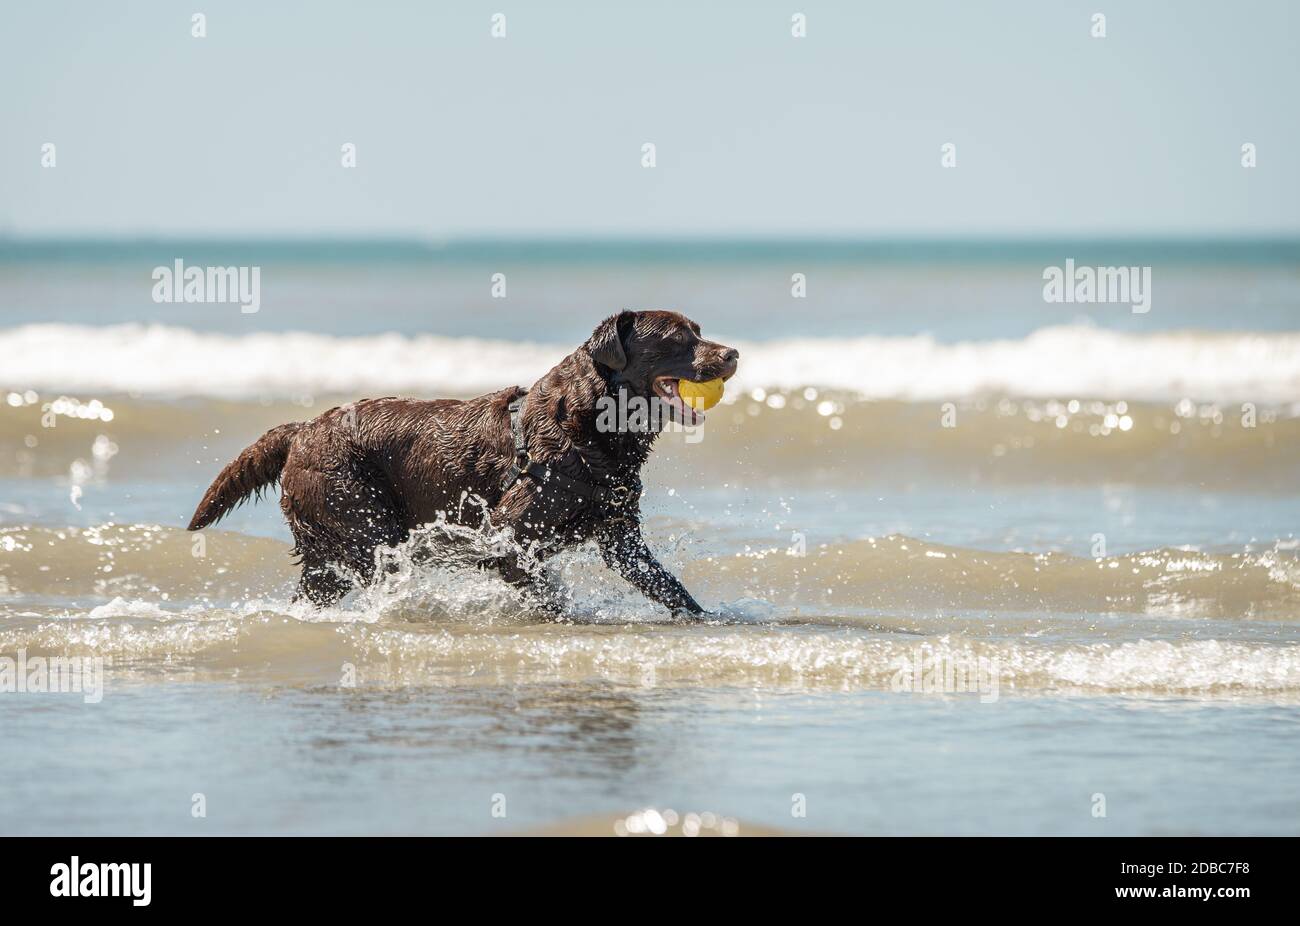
(665, 388)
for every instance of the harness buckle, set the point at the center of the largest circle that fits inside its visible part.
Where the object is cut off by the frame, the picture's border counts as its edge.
(620, 495)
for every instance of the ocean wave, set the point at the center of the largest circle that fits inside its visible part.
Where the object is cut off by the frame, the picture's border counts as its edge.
(892, 613)
(896, 575)
(804, 437)
(1058, 361)
(272, 647)
(903, 574)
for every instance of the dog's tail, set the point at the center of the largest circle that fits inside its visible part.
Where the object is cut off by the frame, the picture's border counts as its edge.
(252, 471)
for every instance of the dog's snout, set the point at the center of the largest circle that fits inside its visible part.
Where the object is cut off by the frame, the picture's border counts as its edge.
(728, 357)
(712, 360)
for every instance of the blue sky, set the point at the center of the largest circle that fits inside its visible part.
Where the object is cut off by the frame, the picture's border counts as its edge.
(757, 133)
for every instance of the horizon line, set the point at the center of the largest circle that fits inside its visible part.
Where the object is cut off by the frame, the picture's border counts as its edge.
(1097, 250)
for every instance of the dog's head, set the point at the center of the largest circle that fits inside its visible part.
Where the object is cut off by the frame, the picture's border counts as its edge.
(650, 352)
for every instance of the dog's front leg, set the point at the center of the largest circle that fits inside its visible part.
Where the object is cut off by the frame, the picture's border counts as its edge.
(532, 581)
(625, 551)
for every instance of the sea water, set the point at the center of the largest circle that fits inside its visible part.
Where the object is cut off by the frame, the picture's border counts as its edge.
(978, 563)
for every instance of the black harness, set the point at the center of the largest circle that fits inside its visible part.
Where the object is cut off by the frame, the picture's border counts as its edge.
(523, 464)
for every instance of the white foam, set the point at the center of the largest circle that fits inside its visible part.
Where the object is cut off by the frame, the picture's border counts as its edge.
(1063, 361)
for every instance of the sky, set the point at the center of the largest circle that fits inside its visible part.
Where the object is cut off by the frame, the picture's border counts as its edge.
(756, 132)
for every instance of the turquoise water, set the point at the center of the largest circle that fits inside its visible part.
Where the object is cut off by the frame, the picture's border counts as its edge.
(954, 290)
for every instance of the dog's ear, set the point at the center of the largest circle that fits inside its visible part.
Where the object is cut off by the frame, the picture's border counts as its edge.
(606, 342)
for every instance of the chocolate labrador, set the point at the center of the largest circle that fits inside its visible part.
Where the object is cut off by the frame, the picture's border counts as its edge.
(558, 464)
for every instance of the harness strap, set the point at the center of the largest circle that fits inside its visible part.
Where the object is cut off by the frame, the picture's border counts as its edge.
(523, 464)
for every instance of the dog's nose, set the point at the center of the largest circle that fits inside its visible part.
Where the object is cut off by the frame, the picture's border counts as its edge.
(731, 354)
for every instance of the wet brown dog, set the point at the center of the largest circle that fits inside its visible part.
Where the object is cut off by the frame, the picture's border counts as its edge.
(362, 476)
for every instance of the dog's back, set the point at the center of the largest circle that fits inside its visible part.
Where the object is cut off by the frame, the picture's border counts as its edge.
(364, 474)
(428, 454)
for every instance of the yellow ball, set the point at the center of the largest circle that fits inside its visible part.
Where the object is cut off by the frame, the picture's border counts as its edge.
(700, 396)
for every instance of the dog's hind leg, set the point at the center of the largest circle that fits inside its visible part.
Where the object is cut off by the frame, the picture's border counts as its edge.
(338, 522)
(322, 582)
(329, 567)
